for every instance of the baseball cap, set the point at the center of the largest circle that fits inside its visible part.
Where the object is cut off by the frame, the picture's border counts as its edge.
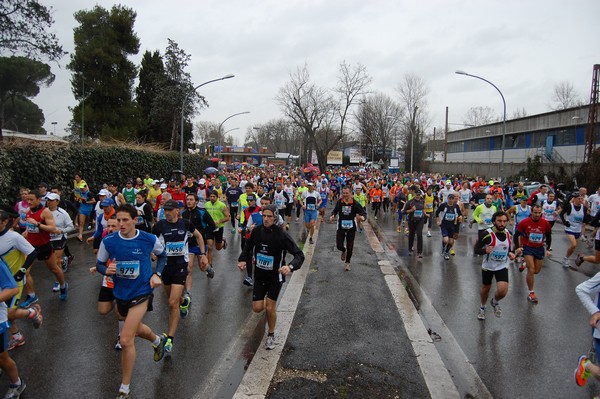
(155, 182)
(309, 184)
(451, 196)
(129, 181)
(104, 192)
(107, 202)
(448, 182)
(251, 197)
(163, 186)
(491, 182)
(171, 204)
(52, 197)
(202, 181)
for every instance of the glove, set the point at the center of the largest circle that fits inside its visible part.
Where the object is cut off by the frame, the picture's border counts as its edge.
(567, 223)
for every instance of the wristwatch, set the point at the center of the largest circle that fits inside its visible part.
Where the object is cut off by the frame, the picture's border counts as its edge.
(291, 268)
(159, 274)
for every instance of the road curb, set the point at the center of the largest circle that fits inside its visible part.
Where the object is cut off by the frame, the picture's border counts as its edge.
(257, 379)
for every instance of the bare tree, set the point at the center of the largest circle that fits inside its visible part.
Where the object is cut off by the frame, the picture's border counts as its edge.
(565, 96)
(478, 116)
(413, 100)
(519, 113)
(320, 114)
(277, 135)
(379, 122)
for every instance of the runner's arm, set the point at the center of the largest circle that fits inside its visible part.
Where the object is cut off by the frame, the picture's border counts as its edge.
(480, 246)
(588, 290)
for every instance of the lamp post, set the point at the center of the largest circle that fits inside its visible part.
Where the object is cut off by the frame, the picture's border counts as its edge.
(183, 113)
(225, 120)
(54, 125)
(413, 125)
(503, 115)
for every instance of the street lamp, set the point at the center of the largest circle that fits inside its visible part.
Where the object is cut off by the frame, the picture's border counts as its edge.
(225, 120)
(54, 125)
(503, 116)
(183, 109)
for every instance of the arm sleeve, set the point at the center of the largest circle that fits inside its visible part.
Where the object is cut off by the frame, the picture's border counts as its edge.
(68, 223)
(161, 254)
(476, 213)
(292, 248)
(246, 255)
(102, 258)
(481, 244)
(586, 291)
(336, 209)
(564, 211)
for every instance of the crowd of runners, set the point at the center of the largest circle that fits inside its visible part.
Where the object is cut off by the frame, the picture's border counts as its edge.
(178, 223)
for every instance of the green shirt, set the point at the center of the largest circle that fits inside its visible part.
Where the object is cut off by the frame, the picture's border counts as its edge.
(216, 210)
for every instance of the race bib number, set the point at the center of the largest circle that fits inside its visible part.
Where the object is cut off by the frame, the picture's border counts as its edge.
(429, 206)
(175, 248)
(536, 237)
(499, 255)
(323, 195)
(279, 202)
(487, 221)
(418, 213)
(578, 218)
(347, 224)
(234, 204)
(376, 198)
(464, 197)
(128, 269)
(140, 220)
(310, 207)
(264, 262)
(481, 201)
(450, 216)
(32, 228)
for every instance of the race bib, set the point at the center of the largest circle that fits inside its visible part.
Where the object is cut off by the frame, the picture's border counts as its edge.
(450, 216)
(310, 207)
(499, 255)
(464, 197)
(429, 206)
(376, 198)
(264, 262)
(324, 195)
(140, 220)
(234, 204)
(175, 248)
(347, 224)
(418, 213)
(128, 269)
(32, 228)
(487, 221)
(279, 202)
(536, 238)
(578, 218)
(481, 201)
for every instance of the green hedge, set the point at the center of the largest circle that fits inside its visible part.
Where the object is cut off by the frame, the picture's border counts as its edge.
(27, 164)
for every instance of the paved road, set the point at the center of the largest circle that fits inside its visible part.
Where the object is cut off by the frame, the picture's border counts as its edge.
(72, 354)
(532, 350)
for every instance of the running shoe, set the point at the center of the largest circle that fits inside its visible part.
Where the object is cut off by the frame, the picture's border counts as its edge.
(429, 234)
(210, 273)
(579, 260)
(343, 255)
(159, 350)
(581, 374)
(566, 263)
(64, 292)
(496, 307)
(123, 395)
(452, 252)
(248, 281)
(446, 256)
(118, 346)
(410, 252)
(347, 267)
(29, 301)
(532, 298)
(420, 256)
(233, 230)
(589, 242)
(184, 307)
(16, 342)
(406, 231)
(360, 230)
(15, 391)
(310, 240)
(168, 347)
(481, 314)
(522, 266)
(65, 264)
(398, 229)
(270, 342)
(36, 316)
(287, 226)
(224, 243)
(56, 287)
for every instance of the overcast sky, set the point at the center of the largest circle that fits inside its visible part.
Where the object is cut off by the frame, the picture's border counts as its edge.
(524, 47)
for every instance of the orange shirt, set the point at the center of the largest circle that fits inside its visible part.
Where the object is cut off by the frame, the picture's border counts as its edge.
(376, 194)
